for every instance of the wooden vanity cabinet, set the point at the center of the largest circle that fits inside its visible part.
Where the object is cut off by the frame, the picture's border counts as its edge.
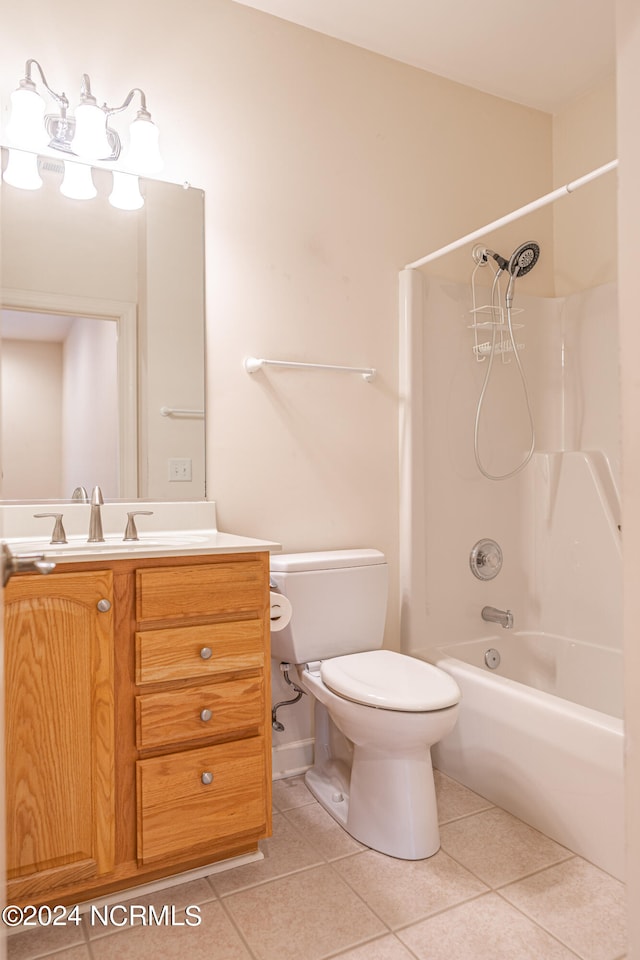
(138, 739)
(220, 789)
(60, 758)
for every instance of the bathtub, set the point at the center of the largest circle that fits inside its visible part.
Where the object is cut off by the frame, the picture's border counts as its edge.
(541, 735)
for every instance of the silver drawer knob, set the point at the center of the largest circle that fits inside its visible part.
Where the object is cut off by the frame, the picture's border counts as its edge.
(205, 715)
(206, 653)
(104, 605)
(207, 778)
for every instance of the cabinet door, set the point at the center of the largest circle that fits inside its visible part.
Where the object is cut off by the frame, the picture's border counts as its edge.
(59, 730)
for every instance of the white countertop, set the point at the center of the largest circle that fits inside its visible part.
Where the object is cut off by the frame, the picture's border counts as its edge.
(173, 530)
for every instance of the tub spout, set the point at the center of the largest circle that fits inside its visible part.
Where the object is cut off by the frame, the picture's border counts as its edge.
(503, 617)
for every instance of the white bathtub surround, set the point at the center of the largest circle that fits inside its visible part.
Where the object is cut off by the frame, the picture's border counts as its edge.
(552, 762)
(576, 552)
(585, 674)
(554, 755)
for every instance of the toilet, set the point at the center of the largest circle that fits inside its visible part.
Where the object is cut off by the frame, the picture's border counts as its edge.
(377, 712)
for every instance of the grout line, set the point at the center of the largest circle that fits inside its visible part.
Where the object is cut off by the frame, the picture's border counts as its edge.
(89, 948)
(465, 816)
(268, 880)
(237, 929)
(507, 883)
(357, 893)
(438, 913)
(541, 925)
(533, 873)
(85, 930)
(370, 940)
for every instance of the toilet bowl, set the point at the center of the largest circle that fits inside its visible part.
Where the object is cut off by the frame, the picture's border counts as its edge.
(377, 712)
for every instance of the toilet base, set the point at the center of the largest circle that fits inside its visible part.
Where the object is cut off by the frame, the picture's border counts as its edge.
(330, 787)
(386, 803)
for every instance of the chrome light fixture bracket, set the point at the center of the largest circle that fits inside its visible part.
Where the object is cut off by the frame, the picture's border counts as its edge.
(61, 131)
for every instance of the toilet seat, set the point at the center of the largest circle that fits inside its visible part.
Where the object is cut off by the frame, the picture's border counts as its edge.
(390, 681)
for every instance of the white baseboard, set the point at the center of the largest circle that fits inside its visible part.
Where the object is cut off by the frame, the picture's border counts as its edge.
(291, 759)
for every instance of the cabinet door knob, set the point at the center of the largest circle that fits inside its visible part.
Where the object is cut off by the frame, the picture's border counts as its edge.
(207, 778)
(205, 715)
(206, 653)
(104, 605)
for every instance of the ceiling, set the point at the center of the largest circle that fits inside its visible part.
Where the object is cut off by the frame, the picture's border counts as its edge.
(542, 55)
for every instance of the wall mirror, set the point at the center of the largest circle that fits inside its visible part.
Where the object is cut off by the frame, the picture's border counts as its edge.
(102, 341)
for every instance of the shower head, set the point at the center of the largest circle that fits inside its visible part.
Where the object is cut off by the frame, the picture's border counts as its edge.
(523, 258)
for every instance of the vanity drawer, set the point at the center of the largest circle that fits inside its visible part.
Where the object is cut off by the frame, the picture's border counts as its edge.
(206, 590)
(182, 653)
(197, 712)
(179, 814)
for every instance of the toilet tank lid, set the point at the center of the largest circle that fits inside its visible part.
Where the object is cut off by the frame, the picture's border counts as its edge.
(324, 560)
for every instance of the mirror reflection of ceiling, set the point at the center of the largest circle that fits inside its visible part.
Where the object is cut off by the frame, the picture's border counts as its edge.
(139, 271)
(22, 325)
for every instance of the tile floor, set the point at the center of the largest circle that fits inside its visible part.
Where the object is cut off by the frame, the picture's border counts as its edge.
(497, 890)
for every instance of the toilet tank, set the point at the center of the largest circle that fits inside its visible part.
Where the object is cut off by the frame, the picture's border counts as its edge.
(339, 603)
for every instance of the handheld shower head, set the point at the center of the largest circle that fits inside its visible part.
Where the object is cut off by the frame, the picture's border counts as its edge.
(524, 258)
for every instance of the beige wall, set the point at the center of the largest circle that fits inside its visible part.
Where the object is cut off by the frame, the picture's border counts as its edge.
(31, 374)
(585, 224)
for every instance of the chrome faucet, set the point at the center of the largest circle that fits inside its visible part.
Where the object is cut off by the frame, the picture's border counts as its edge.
(95, 517)
(503, 617)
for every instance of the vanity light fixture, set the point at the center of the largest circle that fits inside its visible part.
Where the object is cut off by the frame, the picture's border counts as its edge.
(125, 194)
(22, 170)
(86, 135)
(77, 182)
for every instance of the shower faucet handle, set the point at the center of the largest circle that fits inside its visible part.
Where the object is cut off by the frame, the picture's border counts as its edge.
(485, 559)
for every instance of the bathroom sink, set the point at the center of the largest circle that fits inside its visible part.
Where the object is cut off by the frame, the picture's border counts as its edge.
(111, 544)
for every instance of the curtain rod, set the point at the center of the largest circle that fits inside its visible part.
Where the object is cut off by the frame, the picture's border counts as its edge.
(516, 214)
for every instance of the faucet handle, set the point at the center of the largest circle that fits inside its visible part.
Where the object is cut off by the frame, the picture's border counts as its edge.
(96, 497)
(131, 533)
(80, 493)
(58, 535)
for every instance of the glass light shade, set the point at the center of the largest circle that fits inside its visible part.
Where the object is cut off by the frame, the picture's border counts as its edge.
(26, 126)
(144, 153)
(125, 194)
(90, 138)
(77, 183)
(22, 170)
